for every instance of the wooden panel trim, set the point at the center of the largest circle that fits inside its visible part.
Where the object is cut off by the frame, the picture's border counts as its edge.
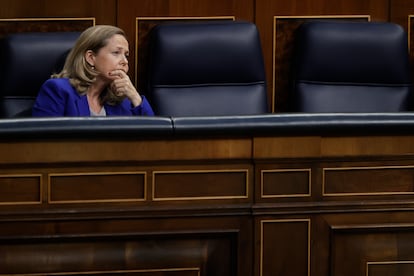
(114, 200)
(218, 197)
(325, 184)
(40, 19)
(410, 27)
(39, 176)
(29, 152)
(196, 270)
(262, 172)
(14, 25)
(267, 221)
(286, 147)
(278, 147)
(373, 227)
(371, 263)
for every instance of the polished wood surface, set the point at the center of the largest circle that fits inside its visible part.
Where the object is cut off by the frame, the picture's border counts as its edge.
(103, 10)
(208, 206)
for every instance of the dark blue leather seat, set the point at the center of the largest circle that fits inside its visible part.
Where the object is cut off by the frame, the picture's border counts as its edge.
(26, 61)
(209, 68)
(351, 67)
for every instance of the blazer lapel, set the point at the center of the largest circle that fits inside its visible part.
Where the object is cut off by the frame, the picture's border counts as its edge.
(112, 110)
(83, 106)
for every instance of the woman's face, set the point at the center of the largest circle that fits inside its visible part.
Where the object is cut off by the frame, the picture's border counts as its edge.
(110, 58)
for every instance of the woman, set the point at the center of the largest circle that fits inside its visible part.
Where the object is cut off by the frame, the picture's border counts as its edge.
(94, 80)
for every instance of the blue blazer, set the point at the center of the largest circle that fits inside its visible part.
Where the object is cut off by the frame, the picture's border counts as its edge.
(57, 97)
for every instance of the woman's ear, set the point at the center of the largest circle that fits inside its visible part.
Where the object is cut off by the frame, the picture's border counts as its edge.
(90, 57)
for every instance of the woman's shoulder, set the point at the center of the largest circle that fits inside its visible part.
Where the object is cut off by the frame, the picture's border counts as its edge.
(59, 84)
(64, 82)
(59, 87)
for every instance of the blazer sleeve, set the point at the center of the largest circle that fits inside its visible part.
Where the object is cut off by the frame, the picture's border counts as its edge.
(144, 108)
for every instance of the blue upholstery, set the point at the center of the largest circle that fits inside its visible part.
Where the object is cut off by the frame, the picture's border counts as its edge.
(210, 68)
(351, 67)
(27, 60)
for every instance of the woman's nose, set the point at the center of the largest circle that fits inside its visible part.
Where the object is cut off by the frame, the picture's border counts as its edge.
(124, 60)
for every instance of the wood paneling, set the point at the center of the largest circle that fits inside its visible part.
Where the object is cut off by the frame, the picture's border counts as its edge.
(368, 181)
(20, 189)
(277, 257)
(369, 248)
(133, 253)
(19, 25)
(400, 10)
(84, 151)
(287, 146)
(200, 185)
(285, 183)
(96, 187)
(200, 212)
(331, 146)
(103, 10)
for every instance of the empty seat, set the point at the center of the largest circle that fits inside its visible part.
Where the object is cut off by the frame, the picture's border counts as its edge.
(26, 61)
(205, 69)
(351, 67)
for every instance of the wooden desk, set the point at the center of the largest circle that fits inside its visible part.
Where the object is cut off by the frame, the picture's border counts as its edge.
(219, 205)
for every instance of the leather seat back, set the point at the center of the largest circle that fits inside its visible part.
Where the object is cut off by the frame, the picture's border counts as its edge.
(26, 61)
(201, 69)
(351, 67)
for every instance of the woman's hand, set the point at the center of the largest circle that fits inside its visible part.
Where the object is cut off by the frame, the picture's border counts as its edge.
(122, 86)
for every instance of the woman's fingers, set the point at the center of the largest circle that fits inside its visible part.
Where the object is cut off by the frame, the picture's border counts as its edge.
(122, 86)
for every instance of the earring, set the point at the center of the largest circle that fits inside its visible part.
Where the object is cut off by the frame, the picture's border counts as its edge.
(93, 67)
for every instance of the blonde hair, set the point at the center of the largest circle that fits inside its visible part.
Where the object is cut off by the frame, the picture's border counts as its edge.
(81, 75)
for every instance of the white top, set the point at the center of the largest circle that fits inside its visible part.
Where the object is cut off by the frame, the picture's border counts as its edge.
(101, 113)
